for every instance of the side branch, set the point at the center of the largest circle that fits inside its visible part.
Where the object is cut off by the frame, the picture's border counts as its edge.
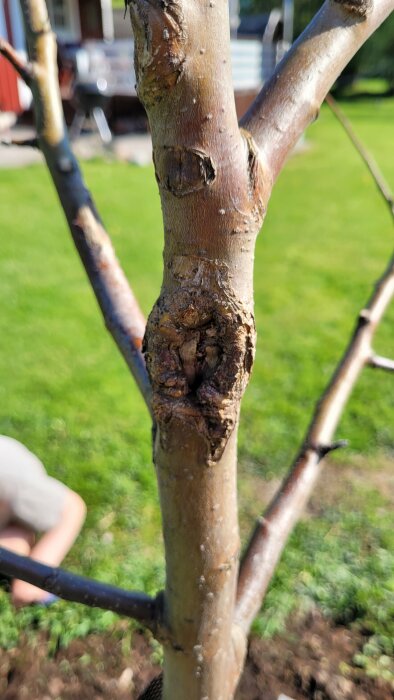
(373, 168)
(377, 362)
(79, 589)
(24, 69)
(291, 99)
(120, 309)
(271, 532)
(24, 143)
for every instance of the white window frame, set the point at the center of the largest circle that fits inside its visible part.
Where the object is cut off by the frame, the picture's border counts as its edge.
(73, 31)
(107, 19)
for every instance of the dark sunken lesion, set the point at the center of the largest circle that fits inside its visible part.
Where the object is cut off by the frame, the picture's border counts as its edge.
(199, 350)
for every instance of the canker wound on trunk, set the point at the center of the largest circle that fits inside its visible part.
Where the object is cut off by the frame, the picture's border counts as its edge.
(199, 348)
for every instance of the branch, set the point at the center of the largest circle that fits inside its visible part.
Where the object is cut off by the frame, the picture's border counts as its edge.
(377, 362)
(80, 589)
(271, 532)
(121, 312)
(24, 69)
(373, 168)
(291, 99)
(24, 143)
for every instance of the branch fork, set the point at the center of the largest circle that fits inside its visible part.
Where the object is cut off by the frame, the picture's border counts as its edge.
(378, 362)
(323, 450)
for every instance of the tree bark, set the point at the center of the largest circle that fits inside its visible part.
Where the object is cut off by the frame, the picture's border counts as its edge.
(80, 589)
(200, 336)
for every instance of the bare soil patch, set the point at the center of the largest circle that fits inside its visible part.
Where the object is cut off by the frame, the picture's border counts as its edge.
(312, 660)
(306, 662)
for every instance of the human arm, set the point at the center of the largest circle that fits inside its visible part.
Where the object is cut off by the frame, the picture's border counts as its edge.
(53, 546)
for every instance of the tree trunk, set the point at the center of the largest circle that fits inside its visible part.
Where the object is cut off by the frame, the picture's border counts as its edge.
(200, 336)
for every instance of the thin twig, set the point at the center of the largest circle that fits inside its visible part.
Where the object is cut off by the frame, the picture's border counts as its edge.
(80, 589)
(23, 143)
(271, 532)
(24, 69)
(369, 161)
(378, 362)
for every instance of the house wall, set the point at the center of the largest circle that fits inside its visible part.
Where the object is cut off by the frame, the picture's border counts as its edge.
(65, 20)
(75, 21)
(108, 20)
(91, 20)
(122, 24)
(9, 98)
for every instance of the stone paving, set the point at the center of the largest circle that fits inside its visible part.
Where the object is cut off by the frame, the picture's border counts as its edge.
(131, 148)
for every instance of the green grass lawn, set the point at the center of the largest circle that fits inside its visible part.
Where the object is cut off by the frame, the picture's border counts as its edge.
(66, 393)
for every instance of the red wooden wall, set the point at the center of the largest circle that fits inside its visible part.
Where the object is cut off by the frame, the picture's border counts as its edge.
(9, 94)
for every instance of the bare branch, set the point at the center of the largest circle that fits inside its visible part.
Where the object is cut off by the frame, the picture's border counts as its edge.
(271, 531)
(323, 450)
(291, 99)
(373, 168)
(378, 362)
(120, 309)
(24, 69)
(25, 143)
(79, 589)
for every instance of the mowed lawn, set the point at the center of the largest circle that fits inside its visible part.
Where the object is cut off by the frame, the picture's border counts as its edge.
(66, 393)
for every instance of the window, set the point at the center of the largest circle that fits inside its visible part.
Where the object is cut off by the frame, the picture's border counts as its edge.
(59, 14)
(64, 19)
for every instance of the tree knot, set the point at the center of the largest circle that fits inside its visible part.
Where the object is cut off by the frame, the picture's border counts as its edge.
(182, 170)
